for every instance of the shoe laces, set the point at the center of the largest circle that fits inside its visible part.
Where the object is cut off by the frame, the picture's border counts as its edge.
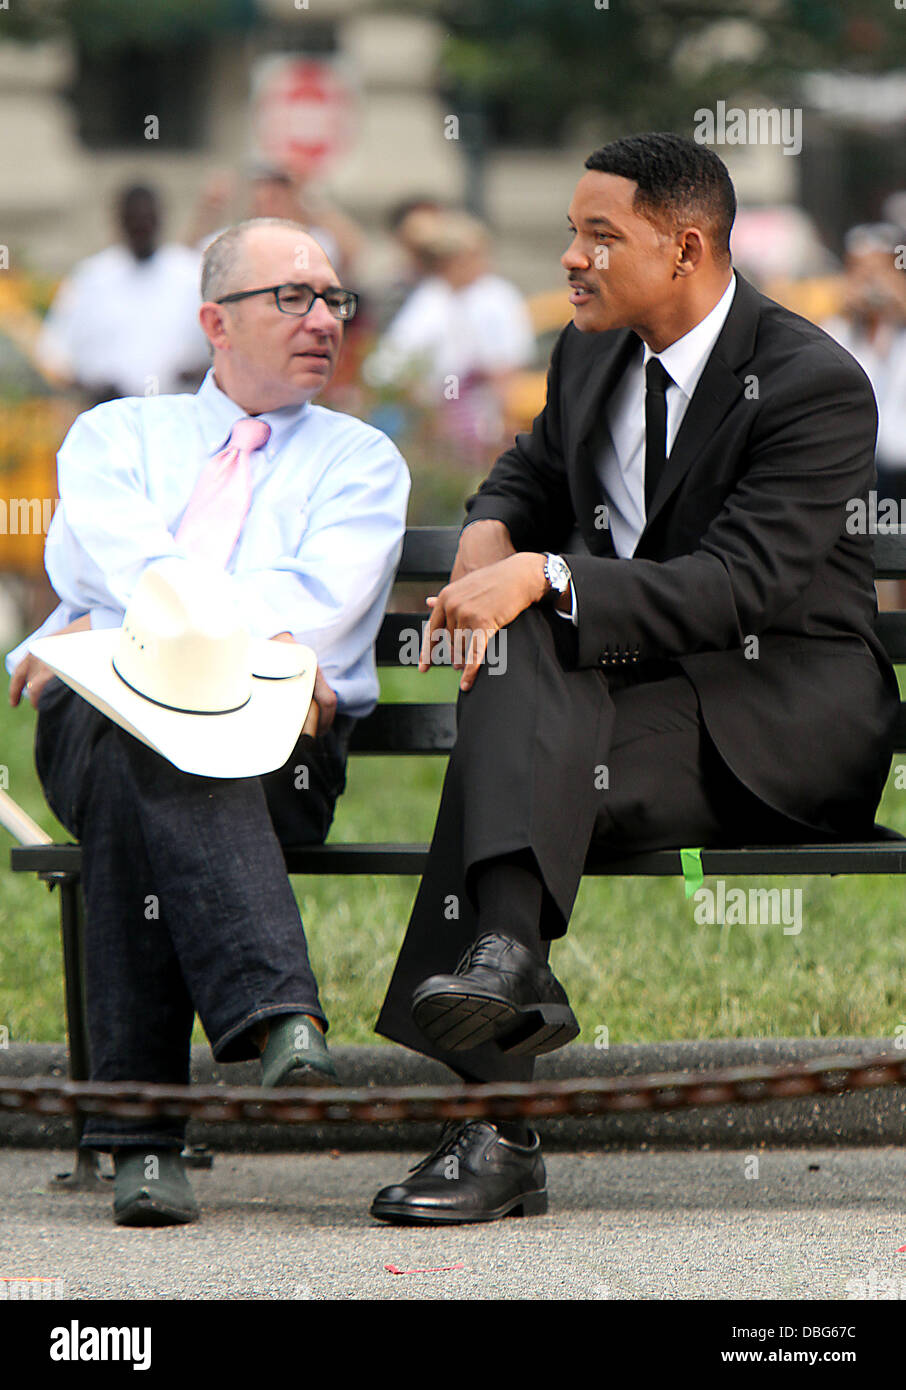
(480, 952)
(455, 1138)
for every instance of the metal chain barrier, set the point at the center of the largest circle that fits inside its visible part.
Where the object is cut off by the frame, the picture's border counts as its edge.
(382, 1104)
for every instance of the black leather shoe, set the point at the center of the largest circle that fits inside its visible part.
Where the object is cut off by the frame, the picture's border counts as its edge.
(498, 990)
(474, 1174)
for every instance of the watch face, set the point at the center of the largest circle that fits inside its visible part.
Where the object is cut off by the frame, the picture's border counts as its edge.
(557, 572)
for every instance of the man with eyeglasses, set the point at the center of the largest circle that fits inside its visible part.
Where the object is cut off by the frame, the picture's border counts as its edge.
(188, 904)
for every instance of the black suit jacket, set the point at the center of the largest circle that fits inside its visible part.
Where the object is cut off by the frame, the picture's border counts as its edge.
(746, 538)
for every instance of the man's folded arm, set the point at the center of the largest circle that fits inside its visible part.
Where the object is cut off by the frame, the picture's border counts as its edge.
(810, 452)
(333, 591)
(108, 529)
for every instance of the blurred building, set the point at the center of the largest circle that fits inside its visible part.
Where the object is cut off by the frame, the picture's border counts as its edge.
(75, 111)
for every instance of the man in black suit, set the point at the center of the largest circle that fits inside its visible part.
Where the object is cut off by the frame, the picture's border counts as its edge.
(690, 645)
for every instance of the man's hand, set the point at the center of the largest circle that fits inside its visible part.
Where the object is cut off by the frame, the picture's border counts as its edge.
(481, 543)
(31, 675)
(480, 604)
(323, 701)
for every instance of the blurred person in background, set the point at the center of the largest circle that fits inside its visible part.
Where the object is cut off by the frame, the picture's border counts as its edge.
(274, 192)
(277, 193)
(412, 268)
(872, 326)
(125, 321)
(460, 336)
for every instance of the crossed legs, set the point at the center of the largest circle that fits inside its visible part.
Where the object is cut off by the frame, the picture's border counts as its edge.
(188, 906)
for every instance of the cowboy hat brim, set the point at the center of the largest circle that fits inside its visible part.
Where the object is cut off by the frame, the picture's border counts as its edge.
(247, 742)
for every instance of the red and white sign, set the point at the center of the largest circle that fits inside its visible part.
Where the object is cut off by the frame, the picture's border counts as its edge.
(302, 114)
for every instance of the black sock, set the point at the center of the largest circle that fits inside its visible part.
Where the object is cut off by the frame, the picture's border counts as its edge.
(517, 1131)
(509, 893)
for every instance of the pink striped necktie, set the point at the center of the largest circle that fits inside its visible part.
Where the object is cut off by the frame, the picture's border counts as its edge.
(219, 504)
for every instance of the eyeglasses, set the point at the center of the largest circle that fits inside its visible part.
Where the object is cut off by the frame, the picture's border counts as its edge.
(298, 299)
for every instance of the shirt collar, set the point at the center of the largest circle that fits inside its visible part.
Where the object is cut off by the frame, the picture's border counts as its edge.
(219, 414)
(685, 359)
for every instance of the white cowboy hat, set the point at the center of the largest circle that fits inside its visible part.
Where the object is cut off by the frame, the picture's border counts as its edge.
(183, 675)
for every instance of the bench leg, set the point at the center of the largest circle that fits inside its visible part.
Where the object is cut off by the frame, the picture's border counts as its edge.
(86, 1174)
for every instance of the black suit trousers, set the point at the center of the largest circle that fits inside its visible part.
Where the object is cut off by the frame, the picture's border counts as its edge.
(554, 760)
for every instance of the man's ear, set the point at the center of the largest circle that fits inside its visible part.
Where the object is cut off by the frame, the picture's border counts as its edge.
(214, 324)
(690, 251)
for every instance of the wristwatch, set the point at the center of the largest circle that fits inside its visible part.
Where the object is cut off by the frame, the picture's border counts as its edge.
(556, 572)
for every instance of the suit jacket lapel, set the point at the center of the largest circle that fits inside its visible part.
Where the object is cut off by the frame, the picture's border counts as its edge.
(718, 387)
(591, 437)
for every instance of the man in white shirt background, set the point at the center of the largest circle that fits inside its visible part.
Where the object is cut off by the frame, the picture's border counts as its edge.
(125, 322)
(313, 563)
(872, 326)
(459, 337)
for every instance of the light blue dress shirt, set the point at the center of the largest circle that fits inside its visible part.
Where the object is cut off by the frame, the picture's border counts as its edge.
(318, 549)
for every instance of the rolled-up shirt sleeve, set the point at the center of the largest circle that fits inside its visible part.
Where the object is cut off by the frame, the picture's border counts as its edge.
(107, 528)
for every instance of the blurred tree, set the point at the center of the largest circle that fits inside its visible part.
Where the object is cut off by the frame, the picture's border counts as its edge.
(539, 65)
(113, 23)
(102, 24)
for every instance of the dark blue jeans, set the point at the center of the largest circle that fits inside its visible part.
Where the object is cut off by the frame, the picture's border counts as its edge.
(188, 905)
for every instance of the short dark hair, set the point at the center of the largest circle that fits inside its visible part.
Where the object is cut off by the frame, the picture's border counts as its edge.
(678, 181)
(137, 193)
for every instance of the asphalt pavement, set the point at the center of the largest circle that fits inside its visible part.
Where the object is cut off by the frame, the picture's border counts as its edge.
(804, 1223)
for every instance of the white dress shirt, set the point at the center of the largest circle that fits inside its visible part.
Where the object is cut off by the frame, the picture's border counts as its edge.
(318, 549)
(133, 325)
(621, 468)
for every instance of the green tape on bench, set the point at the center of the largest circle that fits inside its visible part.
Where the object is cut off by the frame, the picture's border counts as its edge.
(693, 873)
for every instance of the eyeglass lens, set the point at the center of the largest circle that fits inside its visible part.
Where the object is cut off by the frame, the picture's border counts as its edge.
(298, 299)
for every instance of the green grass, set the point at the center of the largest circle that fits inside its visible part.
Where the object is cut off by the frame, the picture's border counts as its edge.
(634, 961)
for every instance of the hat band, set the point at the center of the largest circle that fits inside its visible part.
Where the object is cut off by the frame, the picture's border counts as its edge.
(177, 709)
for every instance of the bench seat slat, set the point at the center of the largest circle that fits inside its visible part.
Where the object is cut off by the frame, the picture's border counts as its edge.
(871, 857)
(414, 729)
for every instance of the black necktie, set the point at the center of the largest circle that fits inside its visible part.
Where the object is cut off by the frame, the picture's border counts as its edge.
(657, 379)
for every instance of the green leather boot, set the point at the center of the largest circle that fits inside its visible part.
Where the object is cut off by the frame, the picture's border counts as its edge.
(296, 1054)
(151, 1189)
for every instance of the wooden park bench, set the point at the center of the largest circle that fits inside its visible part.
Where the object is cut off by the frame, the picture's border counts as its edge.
(417, 729)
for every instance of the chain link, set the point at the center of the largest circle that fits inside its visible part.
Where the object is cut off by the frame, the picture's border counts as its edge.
(384, 1104)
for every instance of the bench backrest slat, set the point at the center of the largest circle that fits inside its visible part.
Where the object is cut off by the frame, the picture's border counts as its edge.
(406, 729)
(890, 555)
(428, 552)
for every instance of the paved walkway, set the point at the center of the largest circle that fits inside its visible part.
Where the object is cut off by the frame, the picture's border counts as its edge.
(640, 1225)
